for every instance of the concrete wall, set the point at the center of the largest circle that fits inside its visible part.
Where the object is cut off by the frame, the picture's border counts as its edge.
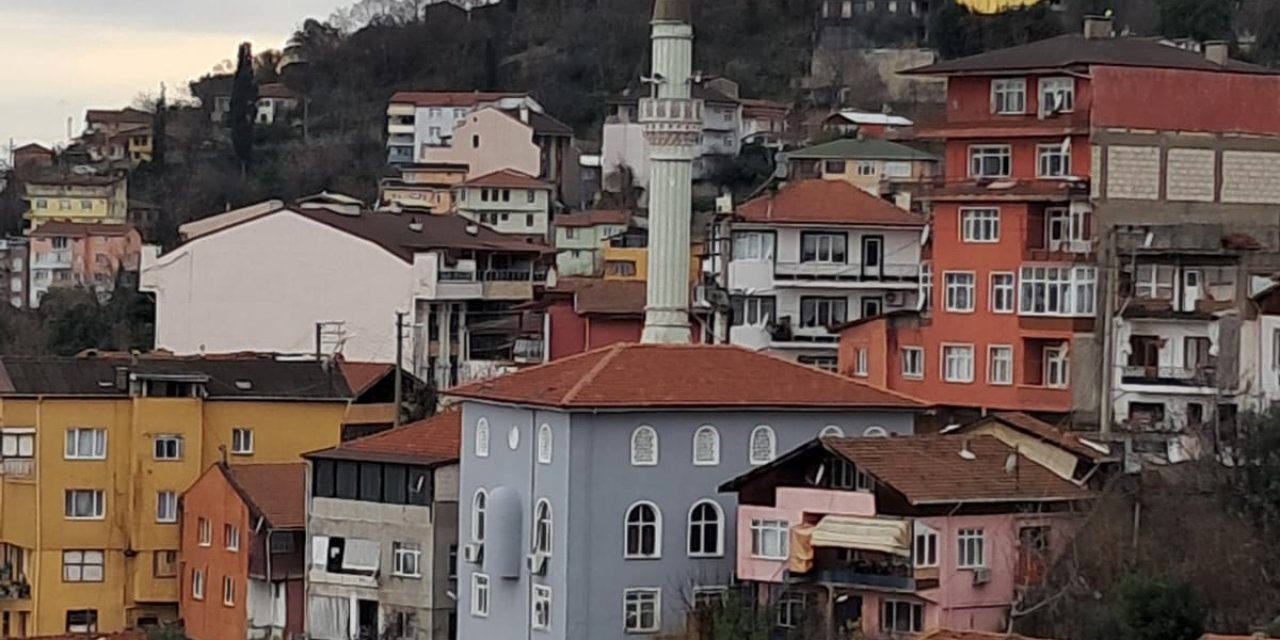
(489, 140)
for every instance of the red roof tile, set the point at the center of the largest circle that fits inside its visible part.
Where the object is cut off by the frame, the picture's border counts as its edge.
(669, 376)
(593, 218)
(506, 178)
(278, 492)
(929, 469)
(362, 375)
(452, 98)
(80, 229)
(610, 297)
(435, 440)
(825, 202)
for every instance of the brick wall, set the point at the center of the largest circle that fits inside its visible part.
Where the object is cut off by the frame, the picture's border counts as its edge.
(1133, 173)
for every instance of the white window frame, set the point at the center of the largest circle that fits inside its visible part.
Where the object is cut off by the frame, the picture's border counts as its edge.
(971, 548)
(97, 444)
(764, 431)
(166, 507)
(1065, 291)
(480, 595)
(695, 529)
(634, 602)
(99, 503)
(980, 225)
(831, 431)
(953, 349)
(85, 563)
(924, 550)
(897, 169)
(827, 311)
(959, 288)
(1009, 96)
(926, 285)
(791, 608)
(1057, 367)
(228, 592)
(482, 438)
(890, 626)
(543, 527)
(1056, 220)
(18, 443)
(770, 530)
(197, 584)
(540, 612)
(980, 152)
(824, 247)
(638, 458)
(1275, 349)
(860, 364)
(231, 537)
(162, 443)
(1046, 154)
(1003, 292)
(1064, 86)
(710, 436)
(406, 559)
(993, 351)
(242, 441)
(866, 168)
(479, 515)
(204, 532)
(546, 442)
(753, 246)
(627, 525)
(913, 367)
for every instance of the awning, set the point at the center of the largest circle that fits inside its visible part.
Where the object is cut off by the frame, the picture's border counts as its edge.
(867, 534)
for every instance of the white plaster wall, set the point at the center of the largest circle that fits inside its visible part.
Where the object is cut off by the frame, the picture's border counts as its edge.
(624, 144)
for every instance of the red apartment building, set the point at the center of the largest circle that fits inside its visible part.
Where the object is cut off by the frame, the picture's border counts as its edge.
(1049, 145)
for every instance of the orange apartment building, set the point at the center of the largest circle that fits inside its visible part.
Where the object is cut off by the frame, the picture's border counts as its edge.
(1049, 146)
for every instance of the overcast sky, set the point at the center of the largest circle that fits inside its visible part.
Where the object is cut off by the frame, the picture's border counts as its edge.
(60, 57)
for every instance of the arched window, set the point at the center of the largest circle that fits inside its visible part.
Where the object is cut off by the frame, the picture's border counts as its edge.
(644, 446)
(544, 444)
(831, 430)
(479, 505)
(875, 431)
(644, 531)
(542, 527)
(706, 530)
(706, 446)
(764, 445)
(482, 438)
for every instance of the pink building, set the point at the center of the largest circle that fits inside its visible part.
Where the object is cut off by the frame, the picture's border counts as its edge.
(896, 536)
(66, 254)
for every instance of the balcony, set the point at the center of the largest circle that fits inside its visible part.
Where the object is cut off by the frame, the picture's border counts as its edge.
(399, 155)
(395, 128)
(57, 259)
(852, 551)
(459, 284)
(783, 335)
(1191, 377)
(827, 274)
(18, 467)
(13, 587)
(900, 580)
(510, 284)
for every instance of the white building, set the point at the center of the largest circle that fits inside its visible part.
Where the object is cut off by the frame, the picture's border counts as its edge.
(815, 255)
(506, 201)
(418, 120)
(275, 103)
(290, 276)
(579, 238)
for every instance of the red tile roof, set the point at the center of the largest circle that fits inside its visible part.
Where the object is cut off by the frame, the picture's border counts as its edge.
(277, 492)
(825, 202)
(593, 218)
(930, 469)
(506, 178)
(671, 376)
(275, 90)
(362, 375)
(452, 98)
(435, 440)
(1048, 433)
(80, 229)
(610, 297)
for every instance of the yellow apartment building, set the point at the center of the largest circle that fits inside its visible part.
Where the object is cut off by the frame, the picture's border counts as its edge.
(74, 198)
(96, 451)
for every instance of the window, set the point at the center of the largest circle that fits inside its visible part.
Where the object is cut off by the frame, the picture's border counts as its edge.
(897, 169)
(542, 527)
(433, 132)
(166, 507)
(475, 141)
(1053, 160)
(530, 196)
(705, 530)
(197, 584)
(1154, 282)
(1000, 364)
(823, 247)
(860, 362)
(242, 441)
(480, 595)
(706, 446)
(989, 161)
(833, 166)
(86, 205)
(231, 537)
(900, 616)
(406, 559)
(1057, 95)
(482, 438)
(82, 566)
(644, 531)
(754, 310)
(42, 204)
(84, 504)
(641, 610)
(1063, 226)
(479, 506)
(82, 621)
(228, 592)
(763, 445)
(282, 543)
(831, 431)
(164, 564)
(769, 539)
(620, 268)
(926, 546)
(866, 168)
(971, 549)
(544, 443)
(1009, 96)
(957, 363)
(959, 291)
(823, 312)
(826, 363)
(403, 623)
(752, 245)
(791, 609)
(842, 474)
(541, 607)
(167, 448)
(1275, 355)
(1002, 288)
(1055, 367)
(980, 225)
(204, 532)
(18, 443)
(86, 444)
(64, 205)
(644, 446)
(913, 363)
(1058, 291)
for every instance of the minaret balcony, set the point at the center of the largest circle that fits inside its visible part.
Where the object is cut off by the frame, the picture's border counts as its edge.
(671, 113)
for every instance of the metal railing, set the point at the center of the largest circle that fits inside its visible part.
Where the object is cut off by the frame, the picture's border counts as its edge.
(1139, 374)
(455, 275)
(18, 467)
(846, 272)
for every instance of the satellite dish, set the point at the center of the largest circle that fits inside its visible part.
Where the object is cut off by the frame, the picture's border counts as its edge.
(1011, 463)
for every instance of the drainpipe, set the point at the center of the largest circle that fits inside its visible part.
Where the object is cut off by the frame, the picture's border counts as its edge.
(1111, 270)
(271, 592)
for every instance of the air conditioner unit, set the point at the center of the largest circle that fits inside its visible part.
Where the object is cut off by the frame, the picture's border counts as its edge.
(981, 575)
(536, 563)
(473, 553)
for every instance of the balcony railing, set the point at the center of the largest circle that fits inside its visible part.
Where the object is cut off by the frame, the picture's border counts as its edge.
(862, 578)
(1202, 376)
(512, 275)
(842, 272)
(454, 275)
(18, 467)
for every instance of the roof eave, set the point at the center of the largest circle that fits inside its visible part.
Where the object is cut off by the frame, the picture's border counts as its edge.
(999, 500)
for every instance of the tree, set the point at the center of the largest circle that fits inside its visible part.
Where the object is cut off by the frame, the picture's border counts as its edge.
(1198, 19)
(159, 130)
(243, 108)
(1158, 609)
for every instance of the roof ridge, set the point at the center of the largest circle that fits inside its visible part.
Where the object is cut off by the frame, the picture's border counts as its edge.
(582, 382)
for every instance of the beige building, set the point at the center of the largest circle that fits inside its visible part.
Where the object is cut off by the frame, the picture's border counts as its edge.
(507, 202)
(423, 186)
(76, 198)
(866, 163)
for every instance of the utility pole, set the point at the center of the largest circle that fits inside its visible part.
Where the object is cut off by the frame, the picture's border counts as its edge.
(399, 394)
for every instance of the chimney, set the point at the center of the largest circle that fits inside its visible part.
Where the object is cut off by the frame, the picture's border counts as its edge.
(1097, 27)
(1216, 52)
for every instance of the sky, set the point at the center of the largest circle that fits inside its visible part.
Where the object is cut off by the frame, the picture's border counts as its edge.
(60, 57)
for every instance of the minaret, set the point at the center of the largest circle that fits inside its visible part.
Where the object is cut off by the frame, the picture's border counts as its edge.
(672, 122)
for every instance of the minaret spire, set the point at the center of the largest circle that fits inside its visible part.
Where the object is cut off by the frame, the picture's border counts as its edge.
(672, 122)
